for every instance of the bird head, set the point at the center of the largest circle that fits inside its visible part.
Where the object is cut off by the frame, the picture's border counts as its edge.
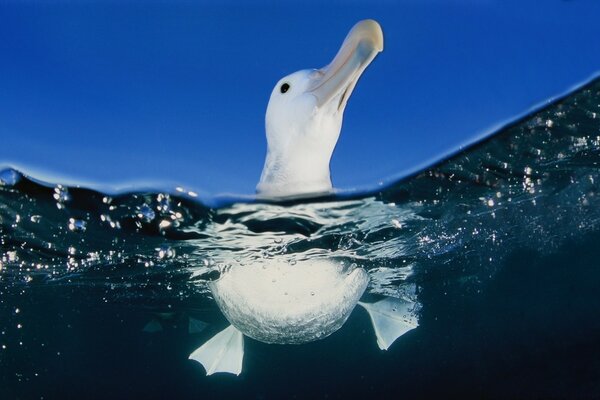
(305, 113)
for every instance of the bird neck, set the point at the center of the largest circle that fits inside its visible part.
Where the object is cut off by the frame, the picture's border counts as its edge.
(296, 172)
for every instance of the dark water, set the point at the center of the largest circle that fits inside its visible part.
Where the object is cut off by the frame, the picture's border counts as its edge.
(499, 245)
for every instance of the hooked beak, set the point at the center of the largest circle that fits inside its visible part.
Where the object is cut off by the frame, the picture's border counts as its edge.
(337, 80)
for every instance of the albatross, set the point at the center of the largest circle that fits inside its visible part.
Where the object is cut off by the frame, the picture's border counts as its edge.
(272, 300)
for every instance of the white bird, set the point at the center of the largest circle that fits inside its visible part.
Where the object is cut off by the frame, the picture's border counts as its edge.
(304, 117)
(272, 300)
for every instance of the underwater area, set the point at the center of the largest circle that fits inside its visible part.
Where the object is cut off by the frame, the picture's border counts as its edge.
(105, 295)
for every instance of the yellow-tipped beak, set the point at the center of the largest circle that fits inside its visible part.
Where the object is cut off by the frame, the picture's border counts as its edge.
(338, 78)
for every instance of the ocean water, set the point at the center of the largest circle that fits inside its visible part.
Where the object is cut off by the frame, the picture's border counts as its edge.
(104, 295)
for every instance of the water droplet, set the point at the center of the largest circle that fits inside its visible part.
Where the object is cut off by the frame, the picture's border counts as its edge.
(9, 177)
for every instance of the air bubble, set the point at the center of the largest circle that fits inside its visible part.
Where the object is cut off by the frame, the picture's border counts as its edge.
(11, 256)
(396, 224)
(61, 195)
(165, 252)
(164, 224)
(113, 224)
(164, 203)
(77, 225)
(145, 213)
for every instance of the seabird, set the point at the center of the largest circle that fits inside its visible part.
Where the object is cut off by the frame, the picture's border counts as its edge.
(272, 300)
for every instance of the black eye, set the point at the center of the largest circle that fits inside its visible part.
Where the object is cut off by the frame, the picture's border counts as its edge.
(285, 87)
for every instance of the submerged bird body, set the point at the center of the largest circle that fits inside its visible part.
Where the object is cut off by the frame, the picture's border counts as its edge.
(277, 302)
(289, 304)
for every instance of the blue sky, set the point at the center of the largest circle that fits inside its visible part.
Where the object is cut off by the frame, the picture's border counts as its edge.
(165, 93)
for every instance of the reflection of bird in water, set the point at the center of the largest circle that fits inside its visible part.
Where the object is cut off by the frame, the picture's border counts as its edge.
(272, 300)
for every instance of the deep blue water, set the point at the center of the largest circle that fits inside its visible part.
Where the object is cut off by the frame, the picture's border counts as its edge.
(497, 244)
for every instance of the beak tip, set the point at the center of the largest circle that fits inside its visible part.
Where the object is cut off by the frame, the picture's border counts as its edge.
(369, 28)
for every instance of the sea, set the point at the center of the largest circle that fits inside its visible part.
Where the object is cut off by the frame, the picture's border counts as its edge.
(103, 295)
